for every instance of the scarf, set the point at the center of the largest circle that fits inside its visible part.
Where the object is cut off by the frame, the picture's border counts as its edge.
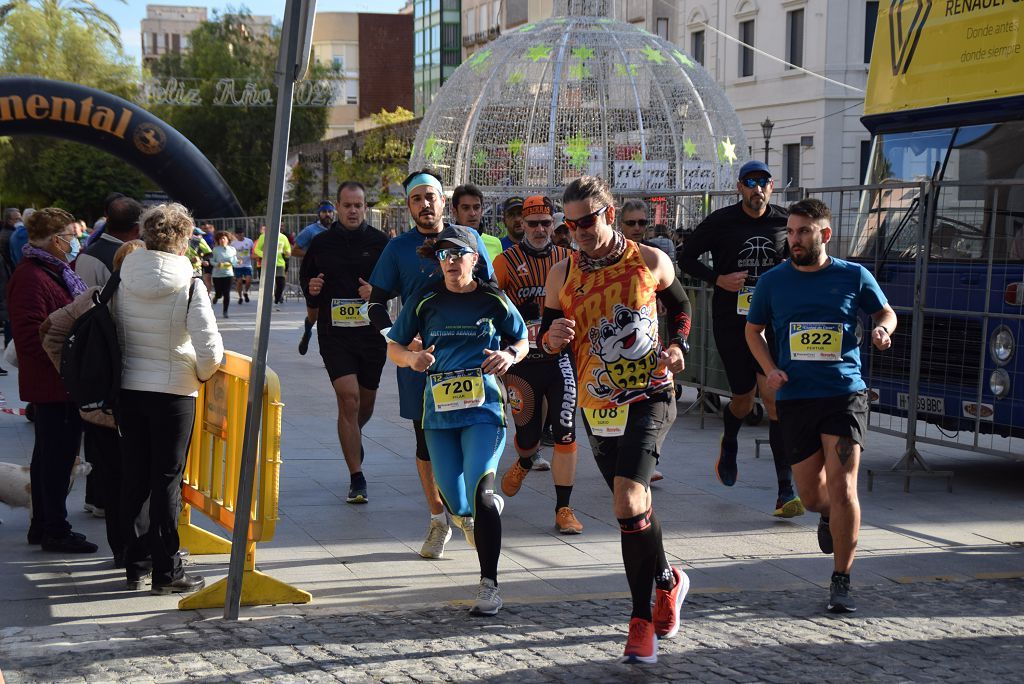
(589, 264)
(72, 282)
(537, 253)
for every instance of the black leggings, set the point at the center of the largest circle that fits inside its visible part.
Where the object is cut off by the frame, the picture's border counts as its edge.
(58, 429)
(156, 429)
(222, 288)
(279, 281)
(528, 384)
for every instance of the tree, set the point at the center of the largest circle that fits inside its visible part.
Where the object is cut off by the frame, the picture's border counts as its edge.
(237, 140)
(81, 12)
(302, 190)
(382, 160)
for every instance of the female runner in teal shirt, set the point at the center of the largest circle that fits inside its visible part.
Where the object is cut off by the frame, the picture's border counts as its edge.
(462, 322)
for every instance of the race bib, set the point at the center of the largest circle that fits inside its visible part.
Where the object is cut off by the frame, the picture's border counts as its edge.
(816, 341)
(457, 389)
(743, 298)
(224, 266)
(532, 328)
(607, 422)
(345, 313)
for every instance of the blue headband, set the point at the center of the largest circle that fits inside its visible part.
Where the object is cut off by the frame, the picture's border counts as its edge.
(423, 179)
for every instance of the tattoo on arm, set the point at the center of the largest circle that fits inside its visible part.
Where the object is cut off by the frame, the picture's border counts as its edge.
(844, 449)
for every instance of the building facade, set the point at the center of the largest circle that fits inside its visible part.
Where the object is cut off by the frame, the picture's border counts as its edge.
(166, 28)
(437, 47)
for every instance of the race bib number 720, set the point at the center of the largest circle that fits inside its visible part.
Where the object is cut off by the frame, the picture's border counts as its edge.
(457, 389)
(816, 341)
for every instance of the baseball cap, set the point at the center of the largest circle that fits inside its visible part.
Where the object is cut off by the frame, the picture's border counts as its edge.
(460, 236)
(754, 166)
(537, 204)
(511, 203)
(326, 205)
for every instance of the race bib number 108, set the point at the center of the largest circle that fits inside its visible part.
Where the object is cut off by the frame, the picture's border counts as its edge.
(816, 341)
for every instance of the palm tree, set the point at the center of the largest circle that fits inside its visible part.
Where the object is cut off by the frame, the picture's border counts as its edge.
(85, 12)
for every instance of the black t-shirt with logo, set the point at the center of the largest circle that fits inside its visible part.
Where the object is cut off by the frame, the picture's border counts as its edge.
(737, 242)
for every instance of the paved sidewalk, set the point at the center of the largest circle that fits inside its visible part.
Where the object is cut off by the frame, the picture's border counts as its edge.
(937, 575)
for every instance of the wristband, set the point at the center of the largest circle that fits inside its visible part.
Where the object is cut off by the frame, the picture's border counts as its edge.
(546, 346)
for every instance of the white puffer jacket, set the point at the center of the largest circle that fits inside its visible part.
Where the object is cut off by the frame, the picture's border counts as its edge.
(164, 349)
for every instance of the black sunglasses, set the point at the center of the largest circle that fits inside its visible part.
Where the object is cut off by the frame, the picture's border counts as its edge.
(540, 222)
(754, 182)
(587, 221)
(636, 222)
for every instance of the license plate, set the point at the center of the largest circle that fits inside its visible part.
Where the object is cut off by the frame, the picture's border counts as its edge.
(924, 404)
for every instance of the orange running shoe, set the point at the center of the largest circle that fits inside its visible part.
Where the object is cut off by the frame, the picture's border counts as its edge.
(513, 478)
(566, 522)
(641, 644)
(667, 605)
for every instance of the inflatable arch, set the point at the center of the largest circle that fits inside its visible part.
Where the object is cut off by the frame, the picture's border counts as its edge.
(39, 106)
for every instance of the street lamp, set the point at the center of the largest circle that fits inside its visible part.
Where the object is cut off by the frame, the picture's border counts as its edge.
(766, 130)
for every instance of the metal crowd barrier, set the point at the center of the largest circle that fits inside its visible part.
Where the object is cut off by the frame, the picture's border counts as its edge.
(210, 484)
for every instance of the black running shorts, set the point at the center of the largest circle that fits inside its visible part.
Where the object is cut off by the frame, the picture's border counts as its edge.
(741, 368)
(361, 354)
(634, 454)
(804, 421)
(528, 384)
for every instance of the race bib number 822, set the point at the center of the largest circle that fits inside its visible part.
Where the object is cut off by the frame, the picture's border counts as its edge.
(816, 341)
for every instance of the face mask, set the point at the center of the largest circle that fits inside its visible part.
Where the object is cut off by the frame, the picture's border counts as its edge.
(75, 247)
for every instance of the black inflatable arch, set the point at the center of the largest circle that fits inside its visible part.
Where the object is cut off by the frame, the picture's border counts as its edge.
(39, 106)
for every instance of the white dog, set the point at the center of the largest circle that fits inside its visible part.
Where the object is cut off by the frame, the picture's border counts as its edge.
(16, 486)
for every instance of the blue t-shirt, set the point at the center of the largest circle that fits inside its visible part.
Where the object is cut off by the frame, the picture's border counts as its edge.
(460, 326)
(814, 316)
(18, 241)
(507, 243)
(307, 234)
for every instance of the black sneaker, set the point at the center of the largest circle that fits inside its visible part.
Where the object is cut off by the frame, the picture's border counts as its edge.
(725, 468)
(246, 295)
(69, 544)
(824, 536)
(35, 536)
(304, 342)
(357, 494)
(239, 300)
(839, 599)
(3, 372)
(547, 437)
(183, 585)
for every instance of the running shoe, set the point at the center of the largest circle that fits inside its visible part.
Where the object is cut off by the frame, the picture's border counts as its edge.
(657, 476)
(438, 534)
(246, 295)
(725, 467)
(547, 436)
(789, 507)
(239, 300)
(3, 372)
(468, 527)
(839, 599)
(357, 494)
(667, 605)
(512, 480)
(307, 333)
(488, 600)
(641, 644)
(540, 463)
(566, 522)
(825, 536)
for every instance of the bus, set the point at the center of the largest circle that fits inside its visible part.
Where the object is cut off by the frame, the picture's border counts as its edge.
(940, 219)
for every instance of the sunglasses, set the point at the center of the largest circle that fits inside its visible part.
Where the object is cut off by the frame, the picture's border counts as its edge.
(754, 182)
(636, 222)
(587, 221)
(540, 222)
(451, 253)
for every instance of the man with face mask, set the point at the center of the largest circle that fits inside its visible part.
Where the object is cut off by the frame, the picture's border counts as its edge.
(400, 271)
(325, 217)
(745, 240)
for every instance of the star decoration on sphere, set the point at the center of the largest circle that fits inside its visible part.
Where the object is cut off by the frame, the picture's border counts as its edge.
(727, 151)
(515, 146)
(526, 27)
(516, 77)
(683, 59)
(578, 149)
(625, 70)
(480, 158)
(538, 52)
(578, 71)
(478, 60)
(653, 55)
(433, 150)
(637, 157)
(582, 53)
(689, 148)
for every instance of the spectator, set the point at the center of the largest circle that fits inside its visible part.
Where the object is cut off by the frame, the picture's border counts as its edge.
(42, 283)
(170, 344)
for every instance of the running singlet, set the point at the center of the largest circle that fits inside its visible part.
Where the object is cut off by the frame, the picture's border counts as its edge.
(522, 275)
(617, 345)
(243, 250)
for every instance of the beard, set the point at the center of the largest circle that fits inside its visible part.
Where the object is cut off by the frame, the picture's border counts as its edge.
(810, 256)
(429, 222)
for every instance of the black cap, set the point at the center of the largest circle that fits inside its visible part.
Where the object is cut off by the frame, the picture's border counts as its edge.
(460, 236)
(512, 203)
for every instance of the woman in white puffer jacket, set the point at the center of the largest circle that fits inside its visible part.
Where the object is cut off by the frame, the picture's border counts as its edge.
(169, 345)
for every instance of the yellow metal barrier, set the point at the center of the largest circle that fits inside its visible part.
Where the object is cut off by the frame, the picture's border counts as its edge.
(210, 482)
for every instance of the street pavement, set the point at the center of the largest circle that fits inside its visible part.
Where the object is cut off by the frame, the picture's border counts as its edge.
(939, 576)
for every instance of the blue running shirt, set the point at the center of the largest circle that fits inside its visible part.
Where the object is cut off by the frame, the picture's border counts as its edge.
(307, 234)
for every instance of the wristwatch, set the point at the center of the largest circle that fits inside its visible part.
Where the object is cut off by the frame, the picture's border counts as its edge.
(514, 352)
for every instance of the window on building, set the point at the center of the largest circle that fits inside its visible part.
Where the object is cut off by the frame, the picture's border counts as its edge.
(186, 43)
(338, 63)
(661, 27)
(145, 43)
(470, 28)
(870, 19)
(795, 38)
(865, 157)
(516, 12)
(351, 91)
(746, 53)
(697, 46)
(791, 165)
(160, 44)
(175, 42)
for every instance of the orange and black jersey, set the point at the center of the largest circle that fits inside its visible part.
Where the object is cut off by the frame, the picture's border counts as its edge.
(522, 271)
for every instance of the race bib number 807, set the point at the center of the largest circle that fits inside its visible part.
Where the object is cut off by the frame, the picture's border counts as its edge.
(816, 341)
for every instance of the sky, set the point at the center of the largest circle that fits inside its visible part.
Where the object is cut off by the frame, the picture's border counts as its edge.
(129, 15)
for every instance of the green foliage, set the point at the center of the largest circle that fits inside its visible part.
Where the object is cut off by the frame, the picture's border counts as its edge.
(382, 160)
(303, 197)
(237, 140)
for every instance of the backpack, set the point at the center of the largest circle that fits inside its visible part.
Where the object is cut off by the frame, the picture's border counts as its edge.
(90, 364)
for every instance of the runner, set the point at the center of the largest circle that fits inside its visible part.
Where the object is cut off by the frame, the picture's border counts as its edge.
(332, 277)
(512, 214)
(602, 300)
(401, 271)
(223, 259)
(811, 302)
(325, 215)
(521, 271)
(284, 250)
(463, 417)
(745, 240)
(243, 271)
(468, 210)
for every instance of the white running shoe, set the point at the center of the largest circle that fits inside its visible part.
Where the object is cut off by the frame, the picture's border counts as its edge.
(438, 534)
(488, 600)
(540, 463)
(468, 527)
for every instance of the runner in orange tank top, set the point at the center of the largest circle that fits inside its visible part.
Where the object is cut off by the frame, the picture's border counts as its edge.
(603, 301)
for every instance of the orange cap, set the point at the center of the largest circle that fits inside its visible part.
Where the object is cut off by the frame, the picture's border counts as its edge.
(537, 204)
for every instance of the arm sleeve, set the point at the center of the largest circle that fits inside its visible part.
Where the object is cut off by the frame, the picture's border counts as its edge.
(202, 328)
(871, 299)
(549, 317)
(689, 255)
(678, 312)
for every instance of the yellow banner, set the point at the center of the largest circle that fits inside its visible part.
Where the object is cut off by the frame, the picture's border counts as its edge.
(928, 53)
